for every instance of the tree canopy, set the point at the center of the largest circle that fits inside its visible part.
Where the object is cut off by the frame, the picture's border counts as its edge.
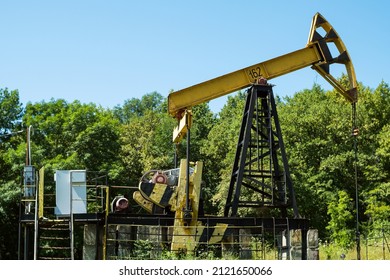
(134, 137)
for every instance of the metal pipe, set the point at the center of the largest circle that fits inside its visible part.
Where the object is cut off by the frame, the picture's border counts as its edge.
(36, 222)
(188, 207)
(175, 155)
(26, 241)
(107, 208)
(28, 146)
(20, 229)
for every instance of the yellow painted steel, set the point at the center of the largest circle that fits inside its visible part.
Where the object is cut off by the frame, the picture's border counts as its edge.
(315, 54)
(218, 233)
(184, 234)
(184, 124)
(144, 203)
(319, 22)
(41, 192)
(156, 197)
(240, 79)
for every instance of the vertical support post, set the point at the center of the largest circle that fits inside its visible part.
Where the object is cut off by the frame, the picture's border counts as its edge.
(20, 229)
(28, 146)
(288, 237)
(304, 244)
(383, 243)
(41, 191)
(188, 171)
(71, 217)
(355, 133)
(187, 210)
(107, 209)
(175, 155)
(36, 221)
(287, 177)
(26, 242)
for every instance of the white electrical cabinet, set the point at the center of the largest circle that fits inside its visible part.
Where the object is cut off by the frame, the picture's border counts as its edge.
(71, 192)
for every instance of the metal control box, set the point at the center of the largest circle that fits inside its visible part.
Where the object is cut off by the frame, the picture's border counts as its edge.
(71, 192)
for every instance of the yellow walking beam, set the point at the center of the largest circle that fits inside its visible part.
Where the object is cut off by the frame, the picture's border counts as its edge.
(240, 79)
(315, 54)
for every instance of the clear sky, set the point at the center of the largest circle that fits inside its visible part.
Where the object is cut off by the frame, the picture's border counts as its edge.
(108, 51)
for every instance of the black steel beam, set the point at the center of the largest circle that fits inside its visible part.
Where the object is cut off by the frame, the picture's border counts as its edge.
(156, 220)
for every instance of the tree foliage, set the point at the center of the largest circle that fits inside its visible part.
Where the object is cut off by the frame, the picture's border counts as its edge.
(219, 149)
(134, 137)
(10, 113)
(73, 135)
(341, 217)
(10, 110)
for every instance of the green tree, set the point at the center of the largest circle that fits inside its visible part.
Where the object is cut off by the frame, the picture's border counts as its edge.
(219, 150)
(373, 143)
(10, 114)
(316, 127)
(73, 135)
(377, 198)
(339, 210)
(140, 150)
(136, 107)
(317, 131)
(10, 110)
(146, 138)
(97, 147)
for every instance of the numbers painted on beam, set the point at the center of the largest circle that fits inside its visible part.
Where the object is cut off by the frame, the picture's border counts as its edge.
(254, 73)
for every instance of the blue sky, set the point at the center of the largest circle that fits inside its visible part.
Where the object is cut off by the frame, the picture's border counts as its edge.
(108, 51)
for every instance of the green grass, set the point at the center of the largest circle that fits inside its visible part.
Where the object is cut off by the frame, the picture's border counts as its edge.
(367, 252)
(374, 249)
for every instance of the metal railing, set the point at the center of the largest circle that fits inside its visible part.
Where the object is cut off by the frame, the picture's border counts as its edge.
(377, 242)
